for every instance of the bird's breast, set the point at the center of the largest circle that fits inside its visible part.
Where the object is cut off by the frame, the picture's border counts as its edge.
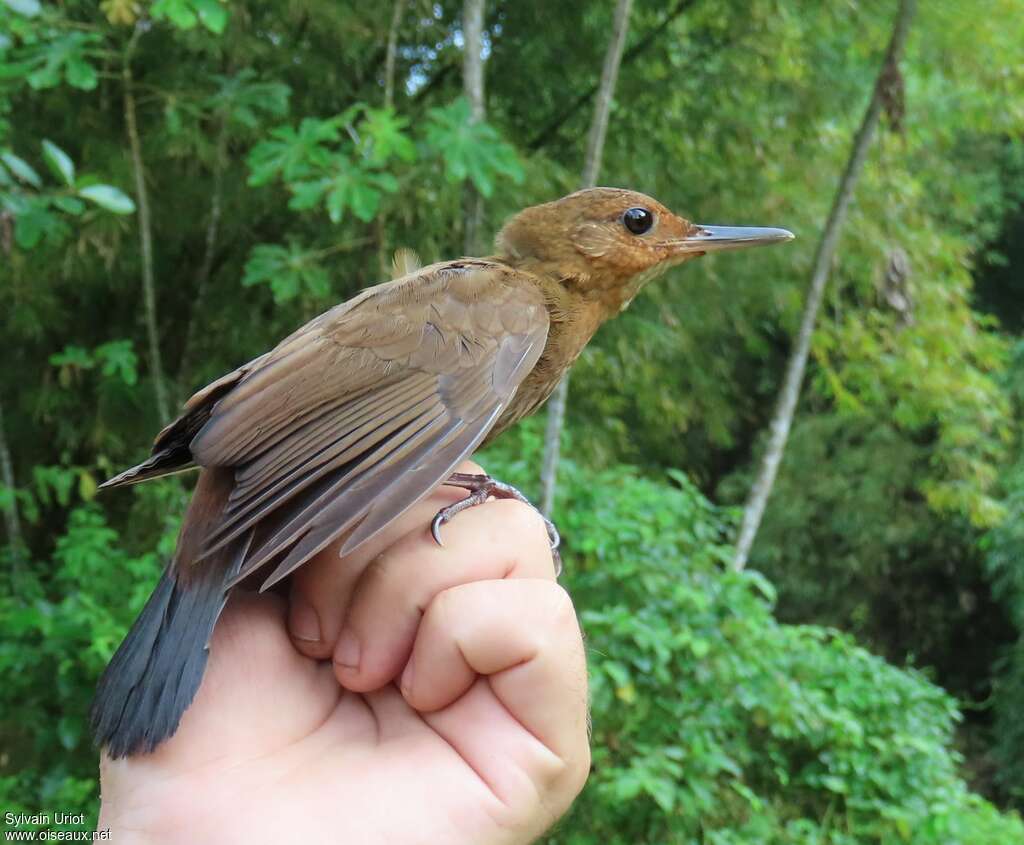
(568, 335)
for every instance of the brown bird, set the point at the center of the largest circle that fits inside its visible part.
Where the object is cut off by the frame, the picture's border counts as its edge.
(366, 409)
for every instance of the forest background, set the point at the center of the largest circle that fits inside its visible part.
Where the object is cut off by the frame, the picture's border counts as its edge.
(183, 182)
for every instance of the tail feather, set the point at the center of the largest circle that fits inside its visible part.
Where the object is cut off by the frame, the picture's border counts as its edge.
(157, 466)
(153, 677)
(156, 672)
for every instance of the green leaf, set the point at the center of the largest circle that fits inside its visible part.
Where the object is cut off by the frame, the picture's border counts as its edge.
(306, 195)
(246, 100)
(87, 486)
(14, 70)
(663, 792)
(72, 356)
(80, 74)
(59, 162)
(294, 154)
(185, 14)
(350, 191)
(71, 205)
(119, 359)
(65, 57)
(172, 117)
(21, 169)
(835, 784)
(288, 271)
(357, 190)
(180, 13)
(34, 222)
(472, 151)
(109, 198)
(29, 229)
(386, 182)
(384, 134)
(212, 14)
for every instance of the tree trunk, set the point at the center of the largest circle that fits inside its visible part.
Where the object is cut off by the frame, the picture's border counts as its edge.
(473, 85)
(145, 232)
(591, 167)
(206, 267)
(380, 224)
(783, 417)
(644, 43)
(397, 12)
(11, 519)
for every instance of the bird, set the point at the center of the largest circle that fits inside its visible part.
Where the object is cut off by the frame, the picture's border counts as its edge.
(369, 407)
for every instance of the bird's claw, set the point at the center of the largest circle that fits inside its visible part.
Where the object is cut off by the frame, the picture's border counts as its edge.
(480, 488)
(435, 527)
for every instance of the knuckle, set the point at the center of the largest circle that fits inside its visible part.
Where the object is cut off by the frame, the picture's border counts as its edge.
(563, 611)
(523, 522)
(560, 779)
(559, 632)
(442, 610)
(552, 771)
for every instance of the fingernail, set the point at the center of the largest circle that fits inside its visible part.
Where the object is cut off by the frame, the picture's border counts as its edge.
(303, 621)
(406, 682)
(346, 652)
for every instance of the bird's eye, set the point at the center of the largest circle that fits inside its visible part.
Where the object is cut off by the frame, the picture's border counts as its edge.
(638, 220)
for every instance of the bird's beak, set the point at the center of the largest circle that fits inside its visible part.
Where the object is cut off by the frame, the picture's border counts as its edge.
(712, 238)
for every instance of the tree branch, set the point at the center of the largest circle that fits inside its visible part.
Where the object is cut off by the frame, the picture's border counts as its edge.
(782, 419)
(473, 85)
(389, 57)
(12, 522)
(145, 231)
(209, 250)
(591, 167)
(556, 123)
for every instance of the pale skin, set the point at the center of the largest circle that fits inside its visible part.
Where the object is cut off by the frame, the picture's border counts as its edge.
(407, 694)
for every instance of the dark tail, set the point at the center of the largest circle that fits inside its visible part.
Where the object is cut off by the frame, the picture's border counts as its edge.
(155, 674)
(153, 677)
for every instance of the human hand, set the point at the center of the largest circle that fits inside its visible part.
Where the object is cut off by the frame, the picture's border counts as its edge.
(459, 715)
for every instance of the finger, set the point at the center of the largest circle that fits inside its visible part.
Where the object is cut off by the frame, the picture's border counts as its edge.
(321, 589)
(500, 539)
(530, 719)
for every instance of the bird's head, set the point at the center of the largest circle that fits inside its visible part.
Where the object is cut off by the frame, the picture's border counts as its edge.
(606, 243)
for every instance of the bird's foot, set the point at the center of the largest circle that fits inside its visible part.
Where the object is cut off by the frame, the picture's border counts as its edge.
(482, 487)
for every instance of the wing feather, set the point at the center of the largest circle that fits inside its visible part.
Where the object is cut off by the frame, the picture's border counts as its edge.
(371, 442)
(313, 531)
(276, 467)
(362, 412)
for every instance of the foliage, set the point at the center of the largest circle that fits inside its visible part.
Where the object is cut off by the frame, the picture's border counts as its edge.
(1003, 555)
(348, 163)
(61, 624)
(713, 722)
(472, 151)
(710, 718)
(38, 210)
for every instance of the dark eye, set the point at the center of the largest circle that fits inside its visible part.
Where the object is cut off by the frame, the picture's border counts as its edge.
(638, 220)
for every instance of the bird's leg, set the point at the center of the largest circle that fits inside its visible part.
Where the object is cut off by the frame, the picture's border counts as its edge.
(480, 488)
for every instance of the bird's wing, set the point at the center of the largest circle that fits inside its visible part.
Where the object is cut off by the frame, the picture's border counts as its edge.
(171, 452)
(362, 412)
